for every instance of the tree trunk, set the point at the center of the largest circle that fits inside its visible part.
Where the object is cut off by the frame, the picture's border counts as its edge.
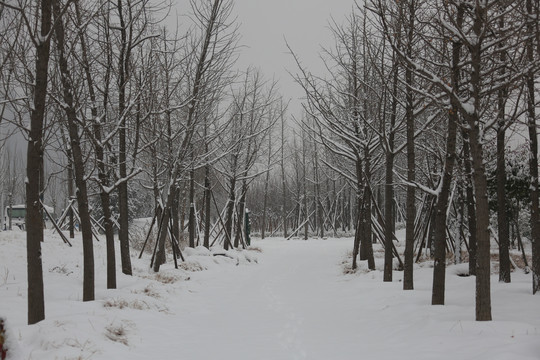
(283, 182)
(368, 233)
(230, 213)
(318, 203)
(100, 162)
(471, 205)
(358, 235)
(533, 159)
(34, 225)
(502, 211)
(408, 280)
(192, 219)
(305, 200)
(240, 214)
(78, 161)
(389, 190)
(265, 196)
(70, 194)
(175, 209)
(483, 268)
(439, 265)
(207, 213)
(123, 65)
(389, 169)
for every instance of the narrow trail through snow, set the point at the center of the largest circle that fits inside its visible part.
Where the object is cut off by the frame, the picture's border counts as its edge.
(282, 308)
(297, 304)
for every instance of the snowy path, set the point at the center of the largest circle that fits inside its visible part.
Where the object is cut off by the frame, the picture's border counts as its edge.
(296, 303)
(276, 310)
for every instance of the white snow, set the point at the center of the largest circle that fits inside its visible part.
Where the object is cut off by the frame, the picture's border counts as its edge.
(279, 300)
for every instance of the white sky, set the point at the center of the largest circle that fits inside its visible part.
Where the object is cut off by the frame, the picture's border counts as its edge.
(266, 24)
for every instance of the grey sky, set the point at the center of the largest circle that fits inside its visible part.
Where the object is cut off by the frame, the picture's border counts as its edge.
(266, 24)
(304, 23)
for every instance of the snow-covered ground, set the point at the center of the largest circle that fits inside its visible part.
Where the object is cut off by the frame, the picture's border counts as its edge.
(292, 300)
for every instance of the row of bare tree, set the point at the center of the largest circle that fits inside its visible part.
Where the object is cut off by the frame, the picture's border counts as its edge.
(415, 97)
(409, 125)
(133, 107)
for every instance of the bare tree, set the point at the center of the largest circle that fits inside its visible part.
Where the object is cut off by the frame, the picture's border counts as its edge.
(532, 12)
(214, 56)
(77, 153)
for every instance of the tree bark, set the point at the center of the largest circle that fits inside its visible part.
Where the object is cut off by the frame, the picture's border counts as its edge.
(100, 160)
(267, 180)
(368, 233)
(207, 209)
(439, 265)
(389, 184)
(34, 224)
(123, 73)
(70, 194)
(471, 205)
(192, 225)
(408, 279)
(283, 182)
(483, 268)
(502, 211)
(230, 213)
(533, 141)
(78, 160)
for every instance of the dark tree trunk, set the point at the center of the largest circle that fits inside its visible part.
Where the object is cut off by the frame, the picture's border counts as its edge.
(483, 267)
(175, 216)
(408, 279)
(389, 218)
(305, 199)
(533, 157)
(207, 210)
(358, 235)
(389, 172)
(502, 212)
(283, 182)
(439, 265)
(70, 194)
(265, 196)
(34, 224)
(241, 214)
(230, 213)
(192, 220)
(78, 161)
(471, 205)
(318, 203)
(162, 235)
(123, 207)
(368, 233)
(100, 162)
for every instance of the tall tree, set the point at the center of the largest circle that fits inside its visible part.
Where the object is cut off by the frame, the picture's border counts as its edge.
(532, 12)
(439, 266)
(503, 225)
(77, 153)
(408, 282)
(34, 223)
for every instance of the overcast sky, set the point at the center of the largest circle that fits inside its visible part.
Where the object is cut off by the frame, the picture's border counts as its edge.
(265, 24)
